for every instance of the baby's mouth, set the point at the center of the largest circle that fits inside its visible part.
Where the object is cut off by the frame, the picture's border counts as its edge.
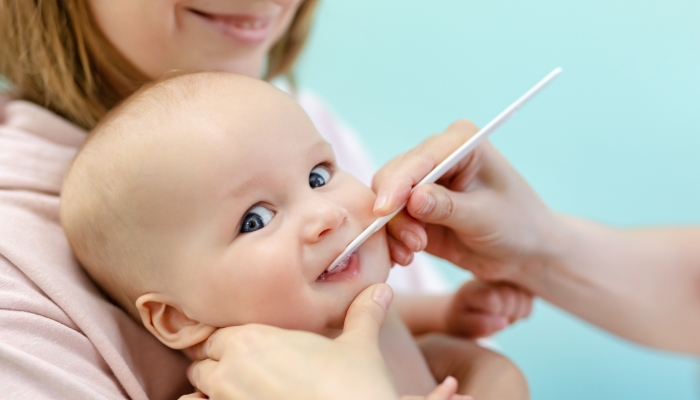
(339, 269)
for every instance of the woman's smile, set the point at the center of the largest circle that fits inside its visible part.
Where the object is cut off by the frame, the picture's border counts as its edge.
(244, 28)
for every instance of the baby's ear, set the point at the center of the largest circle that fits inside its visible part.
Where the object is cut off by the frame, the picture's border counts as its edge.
(169, 324)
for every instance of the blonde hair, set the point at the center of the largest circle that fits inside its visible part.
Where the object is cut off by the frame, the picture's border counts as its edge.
(53, 53)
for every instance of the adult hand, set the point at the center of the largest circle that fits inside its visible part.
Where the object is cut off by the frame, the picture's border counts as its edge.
(258, 361)
(481, 215)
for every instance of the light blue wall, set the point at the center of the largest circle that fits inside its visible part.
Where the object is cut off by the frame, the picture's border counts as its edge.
(615, 138)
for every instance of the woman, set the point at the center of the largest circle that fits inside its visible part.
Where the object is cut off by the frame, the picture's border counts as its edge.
(70, 61)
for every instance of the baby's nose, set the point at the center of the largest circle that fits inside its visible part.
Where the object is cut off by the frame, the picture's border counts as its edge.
(324, 218)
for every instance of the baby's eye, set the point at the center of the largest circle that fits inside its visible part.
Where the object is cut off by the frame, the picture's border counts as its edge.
(319, 176)
(257, 218)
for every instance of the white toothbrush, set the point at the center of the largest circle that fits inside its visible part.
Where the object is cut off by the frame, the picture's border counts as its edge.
(448, 163)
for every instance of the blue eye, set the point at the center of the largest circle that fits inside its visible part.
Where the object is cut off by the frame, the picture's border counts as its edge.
(257, 218)
(318, 177)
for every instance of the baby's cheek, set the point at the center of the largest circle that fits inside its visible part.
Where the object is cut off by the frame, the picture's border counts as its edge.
(361, 204)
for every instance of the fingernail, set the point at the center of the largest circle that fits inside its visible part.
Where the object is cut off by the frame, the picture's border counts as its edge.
(449, 378)
(428, 206)
(410, 239)
(382, 199)
(383, 296)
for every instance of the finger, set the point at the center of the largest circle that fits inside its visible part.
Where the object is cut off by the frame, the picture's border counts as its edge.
(476, 325)
(393, 193)
(366, 314)
(509, 297)
(204, 349)
(231, 338)
(444, 391)
(199, 372)
(197, 352)
(530, 304)
(482, 297)
(519, 306)
(394, 182)
(525, 305)
(212, 347)
(408, 231)
(399, 253)
(435, 204)
(197, 395)
(461, 397)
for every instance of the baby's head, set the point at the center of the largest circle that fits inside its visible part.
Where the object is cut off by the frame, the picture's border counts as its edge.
(210, 200)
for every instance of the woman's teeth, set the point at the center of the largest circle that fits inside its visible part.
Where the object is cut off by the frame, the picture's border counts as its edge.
(249, 25)
(238, 21)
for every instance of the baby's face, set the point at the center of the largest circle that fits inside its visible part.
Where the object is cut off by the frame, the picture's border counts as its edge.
(253, 212)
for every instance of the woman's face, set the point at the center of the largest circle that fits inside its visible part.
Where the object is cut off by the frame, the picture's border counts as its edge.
(158, 36)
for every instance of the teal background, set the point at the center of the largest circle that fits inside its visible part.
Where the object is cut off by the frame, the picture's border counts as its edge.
(614, 139)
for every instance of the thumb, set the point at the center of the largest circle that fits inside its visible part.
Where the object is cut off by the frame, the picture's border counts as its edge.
(435, 204)
(366, 314)
(445, 390)
(196, 395)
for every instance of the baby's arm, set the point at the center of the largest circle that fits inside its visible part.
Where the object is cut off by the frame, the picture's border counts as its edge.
(481, 373)
(477, 309)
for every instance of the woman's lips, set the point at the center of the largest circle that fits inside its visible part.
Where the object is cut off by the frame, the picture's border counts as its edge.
(347, 269)
(242, 27)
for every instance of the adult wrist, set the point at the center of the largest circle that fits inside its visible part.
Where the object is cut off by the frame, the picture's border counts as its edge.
(557, 244)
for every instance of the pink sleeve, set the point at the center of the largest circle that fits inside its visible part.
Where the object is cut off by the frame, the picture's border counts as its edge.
(59, 336)
(43, 355)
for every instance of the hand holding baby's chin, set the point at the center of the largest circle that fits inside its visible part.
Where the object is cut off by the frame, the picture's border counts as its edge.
(481, 309)
(263, 362)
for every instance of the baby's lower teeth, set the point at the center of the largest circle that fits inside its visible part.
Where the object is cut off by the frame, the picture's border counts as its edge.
(341, 266)
(345, 262)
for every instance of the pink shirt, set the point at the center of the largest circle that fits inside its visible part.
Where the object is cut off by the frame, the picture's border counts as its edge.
(59, 336)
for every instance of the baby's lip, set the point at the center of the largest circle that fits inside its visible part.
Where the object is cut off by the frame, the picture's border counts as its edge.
(342, 266)
(335, 255)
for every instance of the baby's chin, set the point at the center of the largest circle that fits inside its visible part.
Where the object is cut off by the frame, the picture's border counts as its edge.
(337, 320)
(375, 264)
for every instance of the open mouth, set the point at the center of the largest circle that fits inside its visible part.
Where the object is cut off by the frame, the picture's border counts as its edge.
(348, 268)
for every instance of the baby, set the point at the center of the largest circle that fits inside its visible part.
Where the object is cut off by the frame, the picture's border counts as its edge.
(210, 200)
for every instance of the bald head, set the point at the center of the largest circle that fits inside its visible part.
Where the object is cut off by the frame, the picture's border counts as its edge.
(123, 190)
